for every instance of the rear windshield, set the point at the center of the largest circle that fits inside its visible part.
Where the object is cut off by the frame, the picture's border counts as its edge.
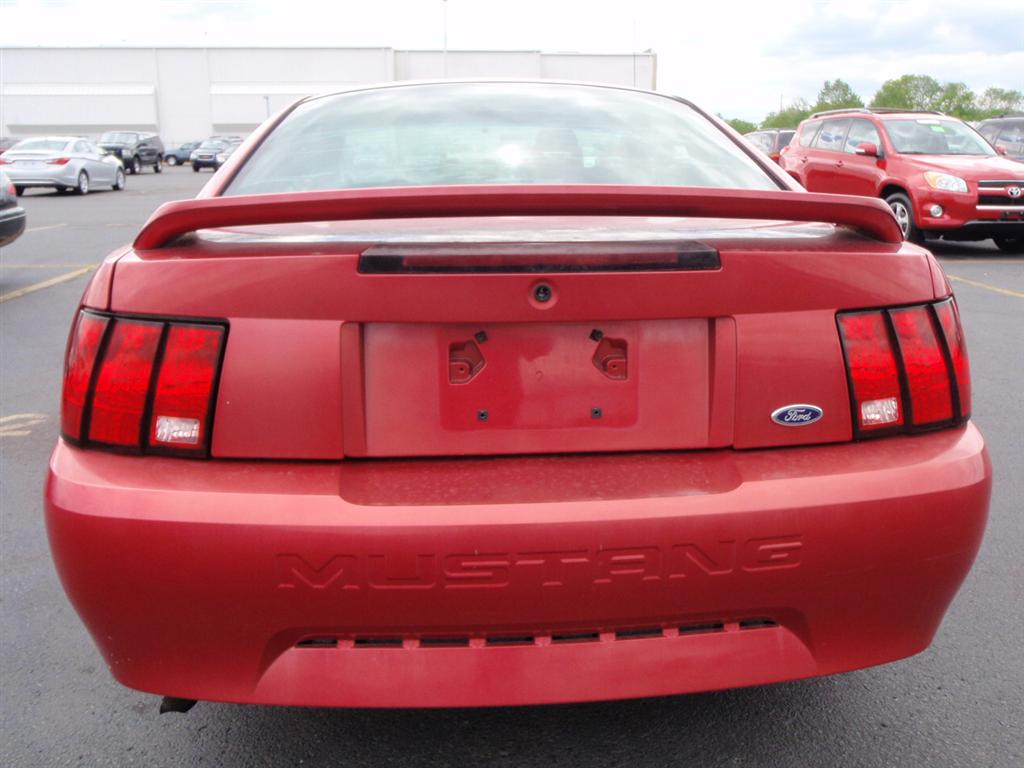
(50, 145)
(785, 137)
(495, 133)
(935, 136)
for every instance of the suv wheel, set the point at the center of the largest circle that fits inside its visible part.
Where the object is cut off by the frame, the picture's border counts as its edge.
(1010, 244)
(904, 210)
(159, 165)
(136, 166)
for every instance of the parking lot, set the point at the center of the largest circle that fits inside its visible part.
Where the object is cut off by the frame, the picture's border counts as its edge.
(961, 703)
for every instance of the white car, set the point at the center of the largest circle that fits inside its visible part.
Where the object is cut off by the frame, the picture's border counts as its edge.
(62, 162)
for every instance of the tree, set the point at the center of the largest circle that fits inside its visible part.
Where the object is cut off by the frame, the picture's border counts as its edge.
(1000, 101)
(742, 126)
(789, 117)
(837, 94)
(908, 92)
(957, 99)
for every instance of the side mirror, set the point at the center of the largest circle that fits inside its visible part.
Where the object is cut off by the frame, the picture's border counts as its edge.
(1001, 149)
(867, 148)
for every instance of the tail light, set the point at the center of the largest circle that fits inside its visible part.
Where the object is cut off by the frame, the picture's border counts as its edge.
(143, 385)
(6, 162)
(907, 368)
(59, 161)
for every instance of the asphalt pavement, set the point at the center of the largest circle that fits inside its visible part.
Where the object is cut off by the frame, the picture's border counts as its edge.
(960, 703)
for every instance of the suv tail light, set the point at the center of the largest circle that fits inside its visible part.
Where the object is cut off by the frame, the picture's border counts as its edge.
(907, 368)
(141, 384)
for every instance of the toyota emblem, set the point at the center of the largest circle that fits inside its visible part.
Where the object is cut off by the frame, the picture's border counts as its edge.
(1013, 191)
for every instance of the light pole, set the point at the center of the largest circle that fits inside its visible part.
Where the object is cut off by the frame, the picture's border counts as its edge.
(444, 24)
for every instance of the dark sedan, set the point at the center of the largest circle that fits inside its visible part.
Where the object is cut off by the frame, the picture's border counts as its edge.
(12, 215)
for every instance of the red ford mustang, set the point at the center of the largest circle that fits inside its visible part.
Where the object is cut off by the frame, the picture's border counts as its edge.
(465, 394)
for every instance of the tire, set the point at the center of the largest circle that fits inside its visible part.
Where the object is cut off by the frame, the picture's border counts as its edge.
(158, 166)
(83, 183)
(119, 180)
(172, 160)
(195, 168)
(1010, 244)
(904, 210)
(136, 166)
(19, 191)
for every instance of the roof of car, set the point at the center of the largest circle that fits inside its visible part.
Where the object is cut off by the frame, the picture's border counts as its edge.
(878, 111)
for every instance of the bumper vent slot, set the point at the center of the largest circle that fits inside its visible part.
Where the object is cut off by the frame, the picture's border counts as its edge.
(702, 629)
(378, 642)
(538, 638)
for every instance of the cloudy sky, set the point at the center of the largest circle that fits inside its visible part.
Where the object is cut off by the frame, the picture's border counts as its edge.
(737, 58)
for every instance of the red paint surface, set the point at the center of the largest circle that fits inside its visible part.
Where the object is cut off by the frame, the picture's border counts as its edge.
(198, 579)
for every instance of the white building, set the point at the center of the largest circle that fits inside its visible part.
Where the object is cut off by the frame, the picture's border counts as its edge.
(190, 93)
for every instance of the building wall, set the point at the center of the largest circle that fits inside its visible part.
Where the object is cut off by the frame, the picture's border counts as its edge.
(190, 93)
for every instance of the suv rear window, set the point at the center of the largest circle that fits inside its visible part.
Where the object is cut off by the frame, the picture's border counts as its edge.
(495, 133)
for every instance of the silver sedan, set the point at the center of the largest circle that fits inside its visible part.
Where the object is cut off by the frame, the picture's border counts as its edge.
(62, 162)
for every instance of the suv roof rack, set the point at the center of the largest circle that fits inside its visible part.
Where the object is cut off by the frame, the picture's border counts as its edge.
(877, 111)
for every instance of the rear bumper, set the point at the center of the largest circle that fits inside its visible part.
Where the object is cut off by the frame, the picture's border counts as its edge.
(45, 176)
(514, 581)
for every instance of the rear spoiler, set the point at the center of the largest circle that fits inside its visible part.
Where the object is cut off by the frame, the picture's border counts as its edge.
(869, 216)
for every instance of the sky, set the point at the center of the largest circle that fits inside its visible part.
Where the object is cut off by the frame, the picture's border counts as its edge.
(740, 59)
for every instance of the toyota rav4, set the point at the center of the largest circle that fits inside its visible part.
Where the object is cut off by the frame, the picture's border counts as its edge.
(940, 177)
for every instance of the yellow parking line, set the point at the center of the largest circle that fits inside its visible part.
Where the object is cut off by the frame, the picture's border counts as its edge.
(45, 227)
(45, 284)
(986, 286)
(1010, 260)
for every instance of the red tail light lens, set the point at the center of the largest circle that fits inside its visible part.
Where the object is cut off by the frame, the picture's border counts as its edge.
(59, 161)
(141, 384)
(949, 319)
(6, 162)
(182, 400)
(924, 363)
(874, 377)
(119, 396)
(907, 368)
(82, 350)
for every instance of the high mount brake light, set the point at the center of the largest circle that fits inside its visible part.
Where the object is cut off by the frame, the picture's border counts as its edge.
(143, 385)
(907, 368)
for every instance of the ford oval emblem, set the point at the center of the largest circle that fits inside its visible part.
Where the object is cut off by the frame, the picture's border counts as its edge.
(799, 415)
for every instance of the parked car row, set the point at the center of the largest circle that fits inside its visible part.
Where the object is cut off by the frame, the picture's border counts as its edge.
(74, 163)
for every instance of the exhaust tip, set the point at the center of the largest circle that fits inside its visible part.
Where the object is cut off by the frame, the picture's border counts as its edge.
(174, 704)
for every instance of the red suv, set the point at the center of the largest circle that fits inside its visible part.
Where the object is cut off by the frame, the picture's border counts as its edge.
(939, 176)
